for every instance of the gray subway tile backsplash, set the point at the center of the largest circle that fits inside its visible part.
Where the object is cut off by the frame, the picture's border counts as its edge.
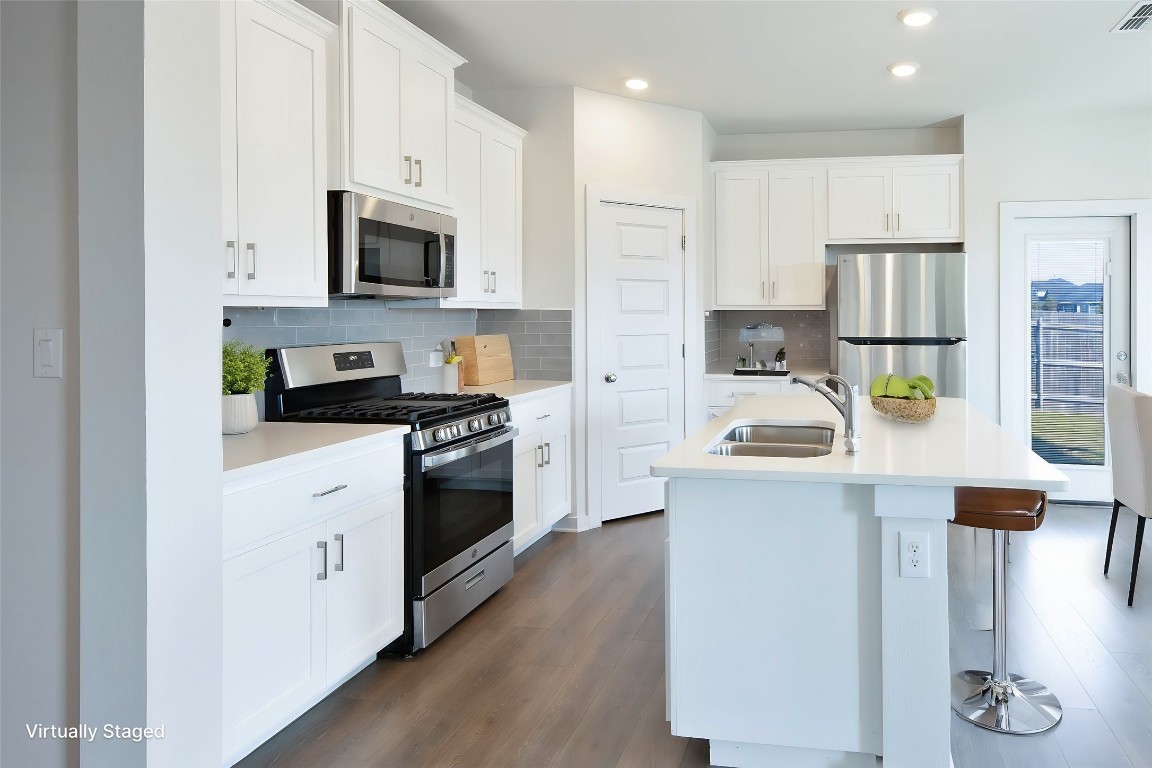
(541, 340)
(806, 335)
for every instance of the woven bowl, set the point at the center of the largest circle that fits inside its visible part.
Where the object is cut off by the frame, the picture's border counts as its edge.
(910, 411)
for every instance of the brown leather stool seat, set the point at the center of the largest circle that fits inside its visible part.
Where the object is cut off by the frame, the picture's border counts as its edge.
(1000, 509)
(996, 699)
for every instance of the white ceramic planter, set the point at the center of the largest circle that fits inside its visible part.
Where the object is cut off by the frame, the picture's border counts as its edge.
(239, 414)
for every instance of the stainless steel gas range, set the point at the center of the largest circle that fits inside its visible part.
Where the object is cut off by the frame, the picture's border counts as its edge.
(457, 475)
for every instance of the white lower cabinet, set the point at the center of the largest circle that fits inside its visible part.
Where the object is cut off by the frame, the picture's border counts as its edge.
(723, 392)
(306, 607)
(542, 466)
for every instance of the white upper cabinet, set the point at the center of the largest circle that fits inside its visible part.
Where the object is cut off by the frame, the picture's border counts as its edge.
(487, 188)
(769, 243)
(397, 87)
(273, 124)
(915, 199)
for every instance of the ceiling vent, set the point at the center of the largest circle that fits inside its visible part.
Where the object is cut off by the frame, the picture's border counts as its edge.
(1140, 17)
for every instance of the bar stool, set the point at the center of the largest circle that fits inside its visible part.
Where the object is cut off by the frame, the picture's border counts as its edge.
(998, 700)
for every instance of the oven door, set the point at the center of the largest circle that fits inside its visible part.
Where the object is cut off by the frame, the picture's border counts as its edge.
(464, 507)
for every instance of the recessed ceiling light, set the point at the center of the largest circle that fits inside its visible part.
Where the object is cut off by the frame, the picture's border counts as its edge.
(917, 17)
(636, 83)
(903, 68)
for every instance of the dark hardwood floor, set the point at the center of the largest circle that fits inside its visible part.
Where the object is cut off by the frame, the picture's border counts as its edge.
(564, 666)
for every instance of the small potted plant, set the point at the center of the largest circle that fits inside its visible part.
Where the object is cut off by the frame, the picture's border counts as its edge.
(243, 372)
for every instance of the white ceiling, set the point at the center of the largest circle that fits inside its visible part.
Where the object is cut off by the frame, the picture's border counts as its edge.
(781, 66)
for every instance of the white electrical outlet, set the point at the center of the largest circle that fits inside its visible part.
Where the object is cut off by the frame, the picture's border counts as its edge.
(915, 555)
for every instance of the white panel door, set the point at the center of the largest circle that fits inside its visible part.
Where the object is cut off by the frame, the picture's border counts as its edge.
(281, 155)
(365, 582)
(375, 155)
(501, 218)
(927, 201)
(741, 210)
(795, 240)
(527, 461)
(859, 203)
(636, 302)
(426, 108)
(274, 636)
(472, 281)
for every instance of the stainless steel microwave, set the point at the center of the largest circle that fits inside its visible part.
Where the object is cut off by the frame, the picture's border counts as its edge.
(385, 249)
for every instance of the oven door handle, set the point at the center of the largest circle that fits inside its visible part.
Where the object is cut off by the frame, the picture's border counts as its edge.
(432, 460)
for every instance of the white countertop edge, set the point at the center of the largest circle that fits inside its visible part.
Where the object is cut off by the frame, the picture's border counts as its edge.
(286, 444)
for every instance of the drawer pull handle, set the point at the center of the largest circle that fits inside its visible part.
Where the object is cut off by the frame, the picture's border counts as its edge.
(545, 416)
(540, 461)
(339, 566)
(329, 491)
(474, 580)
(323, 547)
(547, 453)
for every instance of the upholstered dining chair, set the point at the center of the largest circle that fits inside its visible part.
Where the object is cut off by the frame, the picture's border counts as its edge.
(1130, 437)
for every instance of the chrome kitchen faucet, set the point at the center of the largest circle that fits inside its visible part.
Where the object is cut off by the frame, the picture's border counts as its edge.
(848, 407)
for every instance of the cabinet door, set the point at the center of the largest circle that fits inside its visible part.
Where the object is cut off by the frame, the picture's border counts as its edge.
(426, 108)
(472, 280)
(501, 198)
(859, 203)
(927, 201)
(375, 156)
(274, 637)
(526, 465)
(795, 240)
(230, 223)
(365, 582)
(556, 480)
(280, 155)
(741, 213)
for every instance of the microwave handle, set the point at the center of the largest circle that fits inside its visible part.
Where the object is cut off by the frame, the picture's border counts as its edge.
(443, 259)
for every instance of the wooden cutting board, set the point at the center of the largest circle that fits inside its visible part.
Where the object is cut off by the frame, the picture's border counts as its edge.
(487, 359)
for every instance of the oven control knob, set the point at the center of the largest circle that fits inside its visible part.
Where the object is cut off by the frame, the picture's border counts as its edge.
(503, 416)
(493, 420)
(475, 425)
(438, 435)
(455, 430)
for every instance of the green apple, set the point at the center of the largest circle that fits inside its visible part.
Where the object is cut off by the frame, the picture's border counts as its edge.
(890, 385)
(924, 386)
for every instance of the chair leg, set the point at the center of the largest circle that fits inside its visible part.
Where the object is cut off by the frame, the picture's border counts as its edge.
(1111, 533)
(1136, 556)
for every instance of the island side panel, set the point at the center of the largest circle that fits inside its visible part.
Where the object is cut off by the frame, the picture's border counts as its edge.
(917, 679)
(774, 613)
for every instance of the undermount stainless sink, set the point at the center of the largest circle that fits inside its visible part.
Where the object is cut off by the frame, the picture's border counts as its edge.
(784, 439)
(791, 434)
(783, 450)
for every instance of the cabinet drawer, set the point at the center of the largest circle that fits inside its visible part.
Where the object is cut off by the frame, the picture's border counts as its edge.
(724, 393)
(541, 413)
(286, 502)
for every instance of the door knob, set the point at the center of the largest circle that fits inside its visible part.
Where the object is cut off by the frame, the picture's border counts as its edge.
(610, 378)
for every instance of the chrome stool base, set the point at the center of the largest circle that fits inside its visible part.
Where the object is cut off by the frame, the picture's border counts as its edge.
(1018, 705)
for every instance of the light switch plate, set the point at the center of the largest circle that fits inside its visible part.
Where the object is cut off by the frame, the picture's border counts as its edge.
(48, 353)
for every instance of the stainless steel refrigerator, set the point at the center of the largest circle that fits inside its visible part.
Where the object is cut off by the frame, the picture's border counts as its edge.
(902, 313)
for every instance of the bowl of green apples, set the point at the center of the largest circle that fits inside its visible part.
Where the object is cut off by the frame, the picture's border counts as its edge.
(909, 400)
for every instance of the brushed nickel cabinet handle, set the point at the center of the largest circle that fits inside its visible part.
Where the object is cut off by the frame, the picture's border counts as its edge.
(885, 222)
(540, 461)
(340, 487)
(493, 282)
(474, 580)
(408, 159)
(339, 566)
(548, 452)
(420, 174)
(486, 288)
(233, 260)
(897, 222)
(323, 547)
(251, 260)
(763, 290)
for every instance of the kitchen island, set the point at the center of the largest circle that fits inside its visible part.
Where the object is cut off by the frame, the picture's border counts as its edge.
(792, 637)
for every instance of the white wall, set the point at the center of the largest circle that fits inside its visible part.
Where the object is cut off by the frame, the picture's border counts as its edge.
(932, 140)
(1015, 156)
(39, 441)
(151, 505)
(549, 229)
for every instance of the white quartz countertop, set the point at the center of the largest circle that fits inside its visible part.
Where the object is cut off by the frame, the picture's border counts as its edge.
(278, 440)
(520, 389)
(959, 446)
